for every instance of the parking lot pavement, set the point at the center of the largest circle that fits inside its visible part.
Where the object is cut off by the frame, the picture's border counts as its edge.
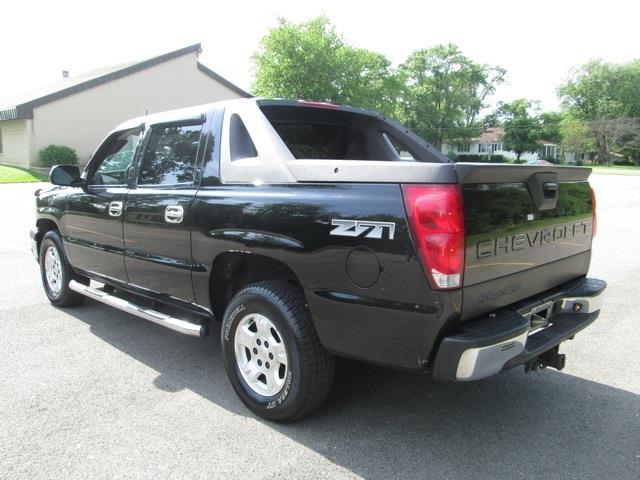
(93, 393)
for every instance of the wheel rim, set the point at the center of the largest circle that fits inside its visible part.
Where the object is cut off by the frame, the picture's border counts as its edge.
(53, 270)
(261, 355)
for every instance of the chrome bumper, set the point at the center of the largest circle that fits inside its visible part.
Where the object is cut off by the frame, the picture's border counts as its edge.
(34, 244)
(514, 337)
(483, 362)
(582, 304)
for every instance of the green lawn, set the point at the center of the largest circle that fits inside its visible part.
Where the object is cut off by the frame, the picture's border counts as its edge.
(19, 175)
(615, 169)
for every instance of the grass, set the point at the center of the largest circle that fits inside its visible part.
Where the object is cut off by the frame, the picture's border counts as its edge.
(19, 175)
(615, 169)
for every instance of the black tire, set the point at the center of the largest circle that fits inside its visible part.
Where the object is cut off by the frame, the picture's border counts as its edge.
(63, 296)
(310, 367)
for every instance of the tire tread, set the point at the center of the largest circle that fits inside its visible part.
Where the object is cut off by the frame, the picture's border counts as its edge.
(315, 361)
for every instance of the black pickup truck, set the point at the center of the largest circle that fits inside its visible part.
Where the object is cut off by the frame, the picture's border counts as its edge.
(311, 230)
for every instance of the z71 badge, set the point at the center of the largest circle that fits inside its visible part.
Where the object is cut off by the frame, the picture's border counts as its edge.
(357, 228)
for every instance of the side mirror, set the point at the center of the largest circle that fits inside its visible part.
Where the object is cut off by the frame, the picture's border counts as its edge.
(66, 176)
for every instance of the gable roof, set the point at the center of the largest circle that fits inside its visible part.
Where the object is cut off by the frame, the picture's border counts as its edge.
(489, 135)
(494, 135)
(22, 106)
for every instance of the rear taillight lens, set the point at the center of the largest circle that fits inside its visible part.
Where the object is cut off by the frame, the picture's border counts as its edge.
(437, 225)
(594, 218)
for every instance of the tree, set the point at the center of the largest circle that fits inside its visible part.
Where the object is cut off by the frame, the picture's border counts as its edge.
(551, 126)
(606, 98)
(616, 138)
(522, 131)
(599, 90)
(311, 61)
(444, 93)
(576, 136)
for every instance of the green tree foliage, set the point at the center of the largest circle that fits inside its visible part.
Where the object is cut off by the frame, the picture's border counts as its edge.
(598, 90)
(311, 61)
(438, 91)
(551, 126)
(522, 130)
(606, 98)
(444, 93)
(576, 136)
(57, 155)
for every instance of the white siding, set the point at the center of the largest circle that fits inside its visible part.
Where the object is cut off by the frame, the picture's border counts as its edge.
(474, 149)
(15, 142)
(83, 119)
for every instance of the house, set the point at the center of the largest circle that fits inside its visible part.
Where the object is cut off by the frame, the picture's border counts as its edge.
(490, 143)
(79, 111)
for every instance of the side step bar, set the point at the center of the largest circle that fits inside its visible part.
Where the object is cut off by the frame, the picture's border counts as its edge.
(168, 321)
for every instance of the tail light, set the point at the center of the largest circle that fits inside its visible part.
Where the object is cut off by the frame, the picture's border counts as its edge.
(437, 226)
(594, 217)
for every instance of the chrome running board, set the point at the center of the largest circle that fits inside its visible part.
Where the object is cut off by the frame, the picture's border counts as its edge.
(181, 326)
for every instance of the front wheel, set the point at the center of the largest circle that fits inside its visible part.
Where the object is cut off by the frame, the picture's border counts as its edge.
(272, 353)
(56, 272)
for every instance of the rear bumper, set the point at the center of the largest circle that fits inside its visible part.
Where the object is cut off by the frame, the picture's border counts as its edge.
(513, 336)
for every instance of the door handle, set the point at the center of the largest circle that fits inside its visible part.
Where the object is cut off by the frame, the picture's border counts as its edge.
(173, 214)
(115, 209)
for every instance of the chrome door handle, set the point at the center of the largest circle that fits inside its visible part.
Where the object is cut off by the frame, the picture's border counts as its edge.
(115, 209)
(173, 214)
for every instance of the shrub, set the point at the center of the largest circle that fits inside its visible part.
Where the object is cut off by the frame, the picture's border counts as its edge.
(497, 159)
(465, 157)
(58, 155)
(624, 163)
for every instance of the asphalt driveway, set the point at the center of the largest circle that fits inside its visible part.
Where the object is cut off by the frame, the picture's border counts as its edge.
(91, 392)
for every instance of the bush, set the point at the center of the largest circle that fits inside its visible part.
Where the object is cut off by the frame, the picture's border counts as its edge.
(465, 157)
(624, 163)
(58, 155)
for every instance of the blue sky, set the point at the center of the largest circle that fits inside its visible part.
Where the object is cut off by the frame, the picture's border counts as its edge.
(537, 42)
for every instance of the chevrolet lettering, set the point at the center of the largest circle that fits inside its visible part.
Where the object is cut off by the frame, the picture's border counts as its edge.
(522, 241)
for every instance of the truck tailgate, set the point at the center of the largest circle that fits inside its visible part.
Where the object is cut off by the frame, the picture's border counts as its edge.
(527, 229)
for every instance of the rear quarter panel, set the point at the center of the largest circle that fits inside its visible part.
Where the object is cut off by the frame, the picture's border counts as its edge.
(368, 297)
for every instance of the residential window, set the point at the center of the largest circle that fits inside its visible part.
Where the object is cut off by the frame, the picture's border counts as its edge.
(496, 147)
(483, 148)
(170, 157)
(464, 147)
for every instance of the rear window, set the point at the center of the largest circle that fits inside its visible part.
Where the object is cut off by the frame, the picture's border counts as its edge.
(323, 141)
(337, 134)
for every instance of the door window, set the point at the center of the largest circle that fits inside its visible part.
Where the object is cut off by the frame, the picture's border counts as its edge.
(170, 156)
(117, 154)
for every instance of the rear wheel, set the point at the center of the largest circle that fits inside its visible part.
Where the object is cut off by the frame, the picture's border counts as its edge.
(56, 272)
(272, 353)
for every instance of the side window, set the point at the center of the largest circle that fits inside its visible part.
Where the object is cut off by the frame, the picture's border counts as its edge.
(170, 156)
(240, 143)
(117, 156)
(400, 148)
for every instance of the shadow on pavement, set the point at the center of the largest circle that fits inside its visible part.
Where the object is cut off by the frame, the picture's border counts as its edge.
(381, 423)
